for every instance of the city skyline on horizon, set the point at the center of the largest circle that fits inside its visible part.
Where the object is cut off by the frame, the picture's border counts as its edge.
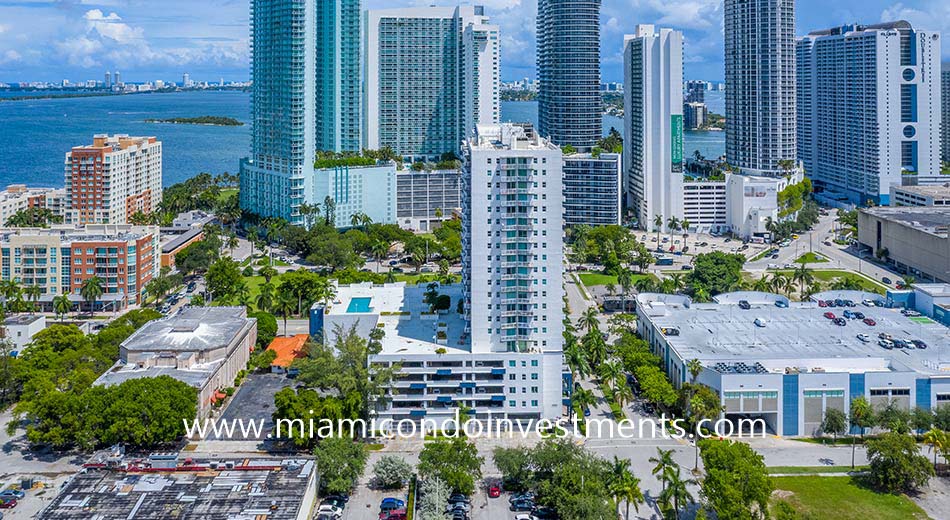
(119, 34)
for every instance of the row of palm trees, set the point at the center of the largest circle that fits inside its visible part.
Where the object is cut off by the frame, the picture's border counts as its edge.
(673, 224)
(20, 298)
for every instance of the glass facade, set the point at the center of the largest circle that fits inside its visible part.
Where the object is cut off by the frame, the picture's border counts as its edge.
(570, 109)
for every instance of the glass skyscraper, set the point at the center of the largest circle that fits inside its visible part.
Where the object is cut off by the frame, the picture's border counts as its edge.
(570, 109)
(760, 84)
(338, 75)
(282, 107)
(431, 74)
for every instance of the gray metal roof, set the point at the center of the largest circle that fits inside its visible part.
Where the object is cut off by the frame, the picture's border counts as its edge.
(191, 329)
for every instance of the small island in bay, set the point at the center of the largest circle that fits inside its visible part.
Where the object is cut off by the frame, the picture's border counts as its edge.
(203, 120)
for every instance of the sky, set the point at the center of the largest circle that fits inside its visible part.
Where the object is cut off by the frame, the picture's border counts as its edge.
(51, 40)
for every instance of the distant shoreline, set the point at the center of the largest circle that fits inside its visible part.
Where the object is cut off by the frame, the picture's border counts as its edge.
(203, 121)
(109, 94)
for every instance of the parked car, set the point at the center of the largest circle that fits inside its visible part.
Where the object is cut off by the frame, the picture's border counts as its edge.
(391, 504)
(848, 314)
(886, 343)
(869, 322)
(821, 303)
(458, 497)
(525, 516)
(919, 344)
(885, 335)
(527, 495)
(15, 493)
(759, 322)
(330, 509)
(864, 338)
(782, 304)
(841, 322)
(744, 305)
(494, 491)
(8, 504)
(899, 343)
(521, 505)
(544, 513)
(886, 280)
(830, 315)
(396, 514)
(858, 315)
(458, 506)
(333, 501)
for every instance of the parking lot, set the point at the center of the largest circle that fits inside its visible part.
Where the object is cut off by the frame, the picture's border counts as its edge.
(254, 399)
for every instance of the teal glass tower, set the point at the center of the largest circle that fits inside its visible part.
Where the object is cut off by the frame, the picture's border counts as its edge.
(338, 75)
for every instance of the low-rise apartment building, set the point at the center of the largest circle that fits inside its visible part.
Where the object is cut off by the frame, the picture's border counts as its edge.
(61, 258)
(423, 199)
(914, 240)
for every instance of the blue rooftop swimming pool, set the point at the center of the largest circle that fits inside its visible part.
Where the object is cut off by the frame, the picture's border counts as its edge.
(359, 305)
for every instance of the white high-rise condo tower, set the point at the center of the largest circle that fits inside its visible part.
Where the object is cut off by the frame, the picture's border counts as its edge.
(653, 123)
(868, 109)
(760, 72)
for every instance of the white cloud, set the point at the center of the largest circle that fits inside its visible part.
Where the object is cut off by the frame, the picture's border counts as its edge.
(97, 15)
(4, 28)
(10, 56)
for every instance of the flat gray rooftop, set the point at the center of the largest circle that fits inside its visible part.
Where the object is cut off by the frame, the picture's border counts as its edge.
(933, 220)
(271, 489)
(191, 329)
(121, 372)
(799, 334)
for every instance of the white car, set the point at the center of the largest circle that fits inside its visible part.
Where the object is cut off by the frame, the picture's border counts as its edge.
(864, 338)
(525, 516)
(759, 322)
(331, 510)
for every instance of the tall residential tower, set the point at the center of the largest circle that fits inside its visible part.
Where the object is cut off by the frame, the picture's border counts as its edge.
(337, 87)
(570, 108)
(653, 125)
(945, 112)
(430, 75)
(868, 101)
(760, 73)
(282, 108)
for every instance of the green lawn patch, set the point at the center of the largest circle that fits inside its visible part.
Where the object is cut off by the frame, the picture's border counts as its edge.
(826, 276)
(923, 320)
(810, 258)
(843, 498)
(807, 470)
(592, 279)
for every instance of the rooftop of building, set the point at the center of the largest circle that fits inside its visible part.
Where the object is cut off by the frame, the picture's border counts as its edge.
(241, 489)
(288, 348)
(181, 239)
(510, 136)
(22, 319)
(87, 233)
(798, 337)
(405, 317)
(936, 191)
(932, 220)
(116, 142)
(934, 290)
(844, 29)
(21, 190)
(191, 329)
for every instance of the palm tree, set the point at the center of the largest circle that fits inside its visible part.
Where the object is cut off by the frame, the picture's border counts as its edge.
(582, 398)
(803, 276)
(62, 306)
(380, 250)
(284, 307)
(390, 276)
(265, 299)
(771, 227)
(937, 440)
(307, 211)
(658, 225)
(663, 465)
(677, 281)
(329, 209)
(623, 486)
(576, 359)
(645, 285)
(676, 490)
(33, 293)
(777, 282)
(232, 243)
(813, 288)
(10, 291)
(701, 294)
(684, 225)
(623, 394)
(761, 284)
(609, 372)
(589, 319)
(673, 224)
(595, 346)
(625, 279)
(90, 291)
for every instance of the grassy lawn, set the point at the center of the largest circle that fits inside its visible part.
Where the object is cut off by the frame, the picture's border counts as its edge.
(826, 276)
(225, 193)
(592, 279)
(810, 258)
(794, 470)
(843, 498)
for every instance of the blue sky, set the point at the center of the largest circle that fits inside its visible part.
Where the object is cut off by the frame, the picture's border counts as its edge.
(161, 39)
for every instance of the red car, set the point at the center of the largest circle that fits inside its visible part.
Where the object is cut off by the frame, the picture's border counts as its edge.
(870, 322)
(821, 303)
(8, 504)
(830, 315)
(395, 514)
(494, 491)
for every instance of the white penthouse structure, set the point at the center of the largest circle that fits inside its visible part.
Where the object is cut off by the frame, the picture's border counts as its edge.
(430, 75)
(868, 109)
(653, 121)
